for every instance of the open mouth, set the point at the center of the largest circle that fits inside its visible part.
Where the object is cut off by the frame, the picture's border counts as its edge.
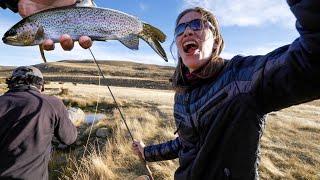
(9, 39)
(4, 39)
(190, 46)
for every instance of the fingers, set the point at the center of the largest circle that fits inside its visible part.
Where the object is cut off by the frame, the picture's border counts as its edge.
(27, 7)
(135, 148)
(85, 42)
(138, 148)
(48, 45)
(66, 42)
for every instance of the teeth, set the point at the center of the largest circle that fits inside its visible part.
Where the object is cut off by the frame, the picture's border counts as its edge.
(189, 42)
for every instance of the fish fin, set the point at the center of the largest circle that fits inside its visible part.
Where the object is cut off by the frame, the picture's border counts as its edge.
(86, 3)
(42, 54)
(40, 33)
(131, 42)
(153, 37)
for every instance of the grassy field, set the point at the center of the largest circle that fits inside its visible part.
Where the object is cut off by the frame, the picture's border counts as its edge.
(290, 144)
(290, 147)
(149, 116)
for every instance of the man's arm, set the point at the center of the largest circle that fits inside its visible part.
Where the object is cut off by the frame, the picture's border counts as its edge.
(64, 129)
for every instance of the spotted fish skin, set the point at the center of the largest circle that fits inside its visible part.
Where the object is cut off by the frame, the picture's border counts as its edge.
(99, 24)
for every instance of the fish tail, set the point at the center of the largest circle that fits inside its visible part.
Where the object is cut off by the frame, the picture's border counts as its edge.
(153, 37)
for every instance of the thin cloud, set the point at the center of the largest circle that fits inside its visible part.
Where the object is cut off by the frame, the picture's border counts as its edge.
(247, 12)
(263, 49)
(257, 50)
(227, 55)
(5, 25)
(19, 56)
(143, 6)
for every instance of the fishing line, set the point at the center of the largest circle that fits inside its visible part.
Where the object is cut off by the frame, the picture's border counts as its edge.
(117, 106)
(94, 117)
(114, 99)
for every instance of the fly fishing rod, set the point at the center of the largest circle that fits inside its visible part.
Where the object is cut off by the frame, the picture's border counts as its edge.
(121, 114)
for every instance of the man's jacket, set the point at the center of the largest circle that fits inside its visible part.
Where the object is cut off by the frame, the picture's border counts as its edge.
(28, 121)
(220, 122)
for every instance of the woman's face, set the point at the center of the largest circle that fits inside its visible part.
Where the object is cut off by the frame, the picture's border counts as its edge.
(195, 46)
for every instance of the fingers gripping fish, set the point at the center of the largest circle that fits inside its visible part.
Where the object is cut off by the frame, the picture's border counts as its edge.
(99, 24)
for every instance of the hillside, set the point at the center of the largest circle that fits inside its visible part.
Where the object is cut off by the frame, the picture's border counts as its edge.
(117, 73)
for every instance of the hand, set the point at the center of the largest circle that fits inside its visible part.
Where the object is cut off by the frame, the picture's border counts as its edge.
(28, 7)
(138, 148)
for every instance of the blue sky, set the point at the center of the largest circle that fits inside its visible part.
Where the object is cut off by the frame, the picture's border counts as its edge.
(249, 27)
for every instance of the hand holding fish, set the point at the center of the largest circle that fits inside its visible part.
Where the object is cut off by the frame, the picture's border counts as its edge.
(71, 23)
(67, 43)
(29, 7)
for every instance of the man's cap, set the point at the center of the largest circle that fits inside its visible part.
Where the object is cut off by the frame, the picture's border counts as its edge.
(26, 71)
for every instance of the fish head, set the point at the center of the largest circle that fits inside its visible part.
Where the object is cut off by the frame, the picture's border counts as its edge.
(24, 33)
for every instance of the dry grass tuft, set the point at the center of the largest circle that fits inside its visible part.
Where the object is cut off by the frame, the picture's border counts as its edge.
(93, 166)
(2, 80)
(64, 92)
(290, 144)
(3, 89)
(112, 158)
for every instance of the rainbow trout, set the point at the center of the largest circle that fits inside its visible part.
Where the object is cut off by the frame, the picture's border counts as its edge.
(99, 24)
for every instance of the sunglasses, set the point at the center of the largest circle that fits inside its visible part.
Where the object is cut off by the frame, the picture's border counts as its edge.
(195, 25)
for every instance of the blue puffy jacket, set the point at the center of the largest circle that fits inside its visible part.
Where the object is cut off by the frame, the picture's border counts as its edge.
(220, 122)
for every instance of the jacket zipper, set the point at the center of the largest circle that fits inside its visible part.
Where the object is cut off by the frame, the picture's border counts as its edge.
(227, 173)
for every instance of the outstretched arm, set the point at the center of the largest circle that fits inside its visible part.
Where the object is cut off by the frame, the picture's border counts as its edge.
(64, 130)
(294, 76)
(165, 151)
(291, 74)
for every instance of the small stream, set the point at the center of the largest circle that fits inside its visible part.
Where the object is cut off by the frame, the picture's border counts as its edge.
(94, 118)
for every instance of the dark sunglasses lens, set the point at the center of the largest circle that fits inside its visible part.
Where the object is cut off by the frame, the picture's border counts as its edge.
(180, 29)
(196, 25)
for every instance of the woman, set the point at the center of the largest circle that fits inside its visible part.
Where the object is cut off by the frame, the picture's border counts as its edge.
(220, 104)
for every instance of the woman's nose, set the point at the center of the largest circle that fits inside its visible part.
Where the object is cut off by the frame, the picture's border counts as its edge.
(188, 32)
